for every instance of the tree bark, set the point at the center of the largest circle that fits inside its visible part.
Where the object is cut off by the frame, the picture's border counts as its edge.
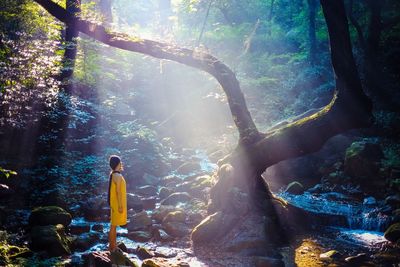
(106, 12)
(248, 132)
(312, 38)
(349, 108)
(70, 42)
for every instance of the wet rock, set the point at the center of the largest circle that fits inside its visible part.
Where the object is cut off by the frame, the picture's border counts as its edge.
(78, 229)
(176, 229)
(163, 252)
(5, 191)
(162, 262)
(50, 215)
(393, 200)
(212, 227)
(317, 189)
(50, 238)
(164, 192)
(330, 255)
(144, 253)
(161, 235)
(362, 160)
(188, 167)
(147, 190)
(295, 188)
(9, 252)
(175, 216)
(98, 228)
(369, 201)
(175, 198)
(171, 180)
(85, 241)
(97, 259)
(149, 203)
(268, 262)
(122, 246)
(393, 233)
(134, 202)
(107, 259)
(162, 211)
(139, 221)
(356, 260)
(150, 179)
(140, 236)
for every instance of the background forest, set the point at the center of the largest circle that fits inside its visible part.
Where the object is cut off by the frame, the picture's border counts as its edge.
(68, 102)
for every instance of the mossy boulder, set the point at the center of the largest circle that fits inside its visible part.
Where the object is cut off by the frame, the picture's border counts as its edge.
(176, 229)
(362, 160)
(50, 215)
(212, 227)
(175, 216)
(50, 238)
(393, 233)
(162, 211)
(295, 188)
(10, 252)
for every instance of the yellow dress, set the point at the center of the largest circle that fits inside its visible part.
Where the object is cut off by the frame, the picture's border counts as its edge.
(118, 218)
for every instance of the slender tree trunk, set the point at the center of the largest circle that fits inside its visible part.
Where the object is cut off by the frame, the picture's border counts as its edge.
(106, 11)
(372, 70)
(70, 42)
(312, 38)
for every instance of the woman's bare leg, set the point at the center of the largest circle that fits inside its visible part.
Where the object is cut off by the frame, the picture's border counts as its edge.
(112, 237)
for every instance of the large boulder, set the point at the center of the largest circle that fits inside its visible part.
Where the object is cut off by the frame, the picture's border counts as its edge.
(176, 229)
(176, 198)
(50, 215)
(295, 188)
(393, 233)
(50, 238)
(162, 211)
(212, 227)
(362, 160)
(175, 216)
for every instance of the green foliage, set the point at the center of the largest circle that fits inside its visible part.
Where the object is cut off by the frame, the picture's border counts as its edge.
(7, 173)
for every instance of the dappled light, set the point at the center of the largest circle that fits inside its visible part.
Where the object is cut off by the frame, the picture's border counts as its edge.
(199, 133)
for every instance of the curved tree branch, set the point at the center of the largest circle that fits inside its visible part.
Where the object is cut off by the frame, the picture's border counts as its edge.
(195, 58)
(350, 108)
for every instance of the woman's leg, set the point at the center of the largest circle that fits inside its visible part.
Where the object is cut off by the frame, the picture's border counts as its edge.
(112, 237)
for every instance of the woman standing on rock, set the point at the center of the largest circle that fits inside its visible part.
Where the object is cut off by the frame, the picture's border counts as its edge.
(116, 200)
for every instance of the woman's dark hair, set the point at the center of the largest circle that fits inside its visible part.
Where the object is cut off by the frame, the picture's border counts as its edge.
(114, 161)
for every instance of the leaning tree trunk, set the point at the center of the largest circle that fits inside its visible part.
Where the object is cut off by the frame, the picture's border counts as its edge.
(240, 172)
(70, 41)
